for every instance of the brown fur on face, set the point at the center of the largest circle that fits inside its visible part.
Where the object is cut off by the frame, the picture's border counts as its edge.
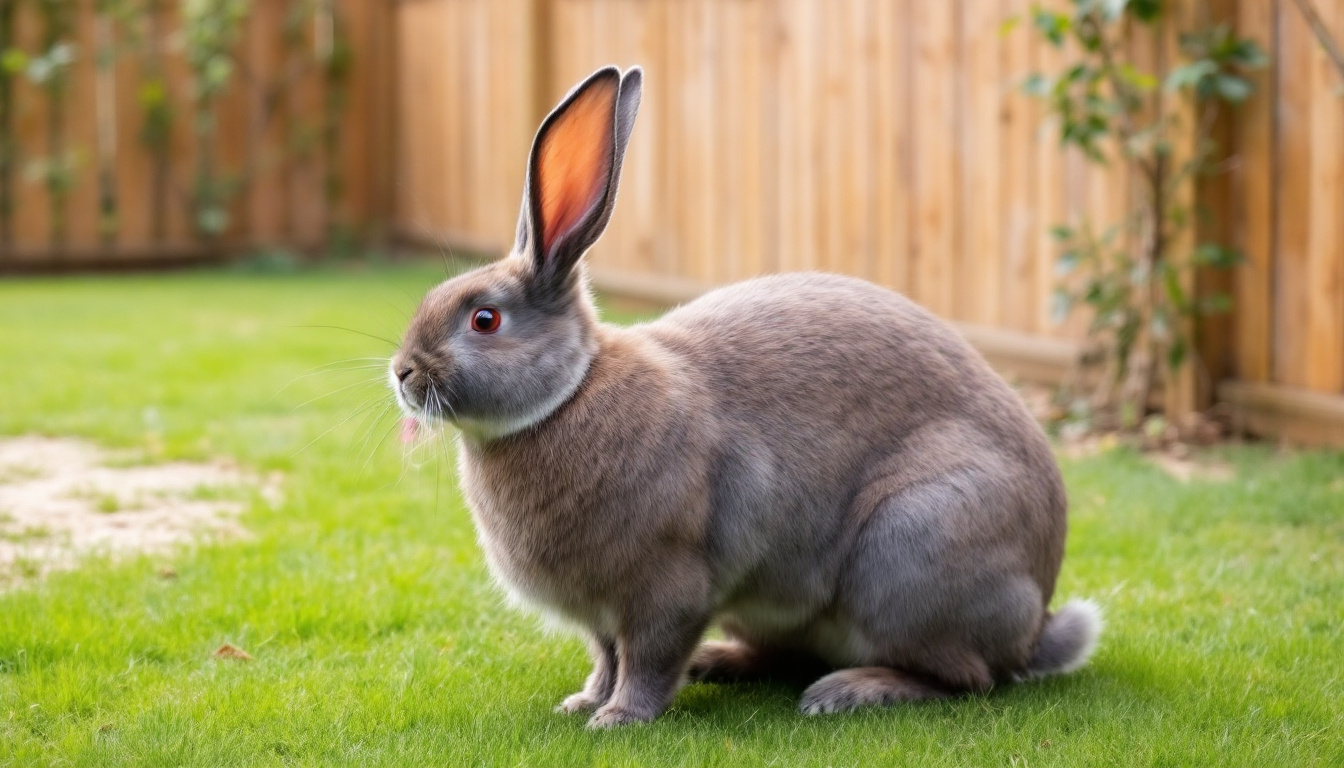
(817, 464)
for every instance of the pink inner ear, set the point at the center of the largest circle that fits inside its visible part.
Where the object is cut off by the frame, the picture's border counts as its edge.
(574, 161)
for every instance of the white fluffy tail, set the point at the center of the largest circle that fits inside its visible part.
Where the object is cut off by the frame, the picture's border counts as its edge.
(1067, 641)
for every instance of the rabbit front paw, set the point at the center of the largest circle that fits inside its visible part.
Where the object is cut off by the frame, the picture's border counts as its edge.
(611, 716)
(583, 701)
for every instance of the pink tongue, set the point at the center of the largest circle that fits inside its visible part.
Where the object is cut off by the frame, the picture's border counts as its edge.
(409, 427)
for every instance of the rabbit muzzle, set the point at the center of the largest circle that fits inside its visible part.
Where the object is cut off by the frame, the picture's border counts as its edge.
(417, 382)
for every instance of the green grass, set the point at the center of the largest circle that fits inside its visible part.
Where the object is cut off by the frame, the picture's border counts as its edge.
(378, 638)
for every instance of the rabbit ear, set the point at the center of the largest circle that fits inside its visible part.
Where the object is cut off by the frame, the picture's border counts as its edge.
(573, 171)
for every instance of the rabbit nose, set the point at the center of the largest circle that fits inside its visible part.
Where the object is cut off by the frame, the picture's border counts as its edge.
(404, 371)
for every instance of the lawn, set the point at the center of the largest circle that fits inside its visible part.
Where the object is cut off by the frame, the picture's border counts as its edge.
(378, 638)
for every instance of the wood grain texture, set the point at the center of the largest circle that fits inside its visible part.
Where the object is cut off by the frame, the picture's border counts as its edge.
(1325, 227)
(1254, 203)
(1295, 154)
(883, 138)
(273, 166)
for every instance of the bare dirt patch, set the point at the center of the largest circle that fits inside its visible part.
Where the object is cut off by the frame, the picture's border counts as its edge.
(61, 498)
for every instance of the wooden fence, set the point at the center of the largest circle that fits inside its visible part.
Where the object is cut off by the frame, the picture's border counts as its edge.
(883, 138)
(300, 149)
(1285, 205)
(887, 139)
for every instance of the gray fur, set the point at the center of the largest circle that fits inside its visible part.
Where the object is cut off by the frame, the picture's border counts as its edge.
(817, 464)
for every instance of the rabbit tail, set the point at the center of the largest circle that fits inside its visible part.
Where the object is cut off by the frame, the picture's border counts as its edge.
(1067, 640)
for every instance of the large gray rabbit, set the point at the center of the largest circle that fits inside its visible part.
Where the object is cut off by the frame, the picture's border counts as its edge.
(814, 463)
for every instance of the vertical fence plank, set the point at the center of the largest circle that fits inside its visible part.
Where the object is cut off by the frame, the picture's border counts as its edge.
(857, 176)
(831, 118)
(744, 163)
(891, 156)
(1051, 204)
(134, 172)
(1296, 77)
(935, 125)
(81, 138)
(772, 57)
(985, 91)
(357, 118)
(797, 89)
(697, 106)
(32, 211)
(1020, 222)
(641, 175)
(423, 115)
(268, 205)
(1325, 228)
(1254, 212)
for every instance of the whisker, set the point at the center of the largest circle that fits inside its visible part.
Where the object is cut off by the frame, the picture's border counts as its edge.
(381, 362)
(335, 366)
(370, 425)
(363, 383)
(350, 330)
(362, 409)
(376, 446)
(445, 400)
(445, 248)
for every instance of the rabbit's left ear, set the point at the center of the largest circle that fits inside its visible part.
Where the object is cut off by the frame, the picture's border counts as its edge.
(573, 171)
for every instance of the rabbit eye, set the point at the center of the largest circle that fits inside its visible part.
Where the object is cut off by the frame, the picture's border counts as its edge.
(485, 320)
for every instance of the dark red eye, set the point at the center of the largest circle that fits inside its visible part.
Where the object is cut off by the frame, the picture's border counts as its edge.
(485, 320)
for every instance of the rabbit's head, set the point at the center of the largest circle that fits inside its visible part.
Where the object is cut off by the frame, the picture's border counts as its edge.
(499, 348)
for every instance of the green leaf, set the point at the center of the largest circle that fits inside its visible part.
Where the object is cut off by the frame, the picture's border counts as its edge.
(1140, 81)
(1061, 233)
(153, 93)
(13, 61)
(1215, 304)
(1009, 24)
(1217, 256)
(1146, 11)
(1175, 291)
(1066, 263)
(1176, 353)
(1075, 73)
(1232, 88)
(1190, 75)
(1247, 53)
(1159, 326)
(1053, 25)
(1061, 304)
(212, 220)
(1037, 85)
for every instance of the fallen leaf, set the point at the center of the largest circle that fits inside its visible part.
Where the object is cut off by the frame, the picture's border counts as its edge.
(228, 651)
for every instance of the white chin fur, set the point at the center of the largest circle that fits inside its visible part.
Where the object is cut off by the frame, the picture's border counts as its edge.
(485, 430)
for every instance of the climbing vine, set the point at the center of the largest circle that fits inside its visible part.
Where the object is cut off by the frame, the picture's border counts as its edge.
(1129, 273)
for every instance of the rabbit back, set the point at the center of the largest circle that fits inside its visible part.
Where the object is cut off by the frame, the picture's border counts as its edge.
(873, 458)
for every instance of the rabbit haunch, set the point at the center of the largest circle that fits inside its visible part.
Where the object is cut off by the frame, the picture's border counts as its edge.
(816, 464)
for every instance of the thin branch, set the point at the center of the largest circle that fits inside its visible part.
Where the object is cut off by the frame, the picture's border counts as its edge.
(1126, 96)
(1322, 33)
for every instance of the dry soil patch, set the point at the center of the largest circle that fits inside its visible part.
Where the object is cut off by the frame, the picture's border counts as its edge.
(64, 497)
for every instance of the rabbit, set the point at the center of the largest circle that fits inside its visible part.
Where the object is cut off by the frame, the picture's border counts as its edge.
(815, 464)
